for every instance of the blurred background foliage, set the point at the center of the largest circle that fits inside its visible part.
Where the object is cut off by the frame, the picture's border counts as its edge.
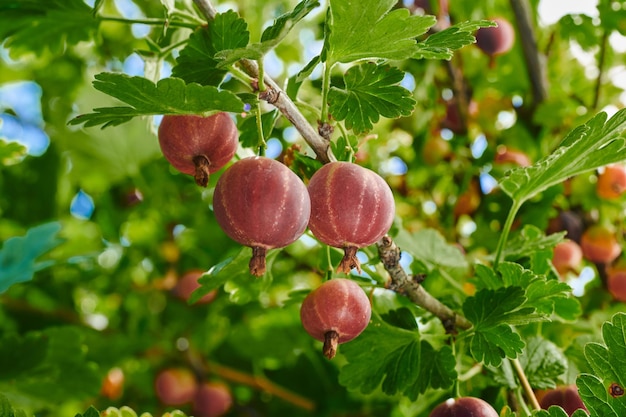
(120, 226)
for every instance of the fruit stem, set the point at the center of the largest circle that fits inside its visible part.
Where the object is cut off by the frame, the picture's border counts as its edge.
(349, 260)
(331, 341)
(202, 164)
(257, 263)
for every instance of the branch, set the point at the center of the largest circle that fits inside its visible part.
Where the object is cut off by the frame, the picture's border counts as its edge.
(535, 65)
(389, 254)
(280, 99)
(601, 64)
(202, 367)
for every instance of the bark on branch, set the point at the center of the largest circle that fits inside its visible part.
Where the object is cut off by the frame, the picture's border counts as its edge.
(281, 100)
(389, 254)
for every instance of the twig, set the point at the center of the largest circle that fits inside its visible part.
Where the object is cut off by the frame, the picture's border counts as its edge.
(601, 63)
(389, 254)
(530, 394)
(283, 103)
(535, 67)
(202, 367)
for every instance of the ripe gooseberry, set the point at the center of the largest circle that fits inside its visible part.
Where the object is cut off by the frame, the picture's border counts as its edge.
(261, 203)
(351, 207)
(464, 407)
(566, 256)
(335, 312)
(175, 386)
(496, 40)
(611, 182)
(566, 397)
(599, 244)
(212, 399)
(197, 145)
(616, 281)
(188, 283)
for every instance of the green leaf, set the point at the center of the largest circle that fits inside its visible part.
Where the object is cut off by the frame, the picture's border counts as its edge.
(543, 362)
(492, 313)
(370, 91)
(531, 239)
(234, 274)
(11, 152)
(168, 96)
(248, 131)
(197, 62)
(271, 37)
(547, 297)
(431, 249)
(369, 30)
(31, 26)
(6, 410)
(442, 44)
(398, 359)
(609, 367)
(552, 411)
(18, 256)
(595, 144)
(344, 148)
(60, 371)
(91, 412)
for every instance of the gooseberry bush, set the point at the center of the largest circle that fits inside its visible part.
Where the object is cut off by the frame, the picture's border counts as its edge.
(313, 208)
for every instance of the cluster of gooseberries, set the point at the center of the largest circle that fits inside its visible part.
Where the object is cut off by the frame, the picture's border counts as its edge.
(260, 203)
(179, 386)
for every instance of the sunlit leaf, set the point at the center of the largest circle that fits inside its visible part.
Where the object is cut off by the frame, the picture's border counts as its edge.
(370, 91)
(442, 44)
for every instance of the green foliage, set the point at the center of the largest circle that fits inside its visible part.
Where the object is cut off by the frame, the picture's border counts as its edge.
(607, 363)
(271, 36)
(399, 358)
(37, 26)
(18, 256)
(369, 30)
(442, 44)
(592, 145)
(6, 410)
(197, 62)
(34, 364)
(371, 75)
(370, 91)
(168, 96)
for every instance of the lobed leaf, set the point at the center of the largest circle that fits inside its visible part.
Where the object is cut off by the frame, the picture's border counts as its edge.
(370, 91)
(168, 96)
(397, 360)
(31, 26)
(543, 362)
(607, 362)
(442, 44)
(431, 249)
(592, 145)
(18, 257)
(368, 29)
(271, 37)
(197, 62)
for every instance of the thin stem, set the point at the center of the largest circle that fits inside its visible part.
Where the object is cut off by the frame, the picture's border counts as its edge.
(505, 233)
(450, 280)
(601, 63)
(260, 63)
(150, 21)
(528, 390)
(325, 90)
(259, 128)
(283, 103)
